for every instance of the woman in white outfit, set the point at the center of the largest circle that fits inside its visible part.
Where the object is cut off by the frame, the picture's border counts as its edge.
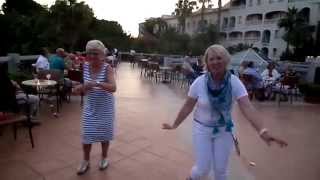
(213, 94)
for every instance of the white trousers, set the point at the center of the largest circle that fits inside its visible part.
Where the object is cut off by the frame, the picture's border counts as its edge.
(211, 152)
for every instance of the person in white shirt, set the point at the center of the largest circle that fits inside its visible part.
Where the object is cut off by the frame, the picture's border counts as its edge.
(42, 61)
(213, 95)
(270, 75)
(188, 70)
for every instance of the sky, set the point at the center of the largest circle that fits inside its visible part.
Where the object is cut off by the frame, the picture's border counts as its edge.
(129, 13)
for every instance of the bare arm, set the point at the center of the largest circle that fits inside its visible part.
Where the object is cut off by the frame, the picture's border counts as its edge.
(183, 114)
(15, 84)
(110, 86)
(256, 120)
(250, 113)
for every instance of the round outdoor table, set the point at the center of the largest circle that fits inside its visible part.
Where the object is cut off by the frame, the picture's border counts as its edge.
(40, 84)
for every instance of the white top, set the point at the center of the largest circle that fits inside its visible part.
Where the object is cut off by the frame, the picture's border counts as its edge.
(42, 63)
(198, 91)
(266, 77)
(187, 66)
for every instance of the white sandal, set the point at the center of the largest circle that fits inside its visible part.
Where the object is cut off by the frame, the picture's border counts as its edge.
(83, 168)
(103, 164)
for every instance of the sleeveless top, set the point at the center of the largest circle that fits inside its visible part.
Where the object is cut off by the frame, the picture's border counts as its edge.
(98, 112)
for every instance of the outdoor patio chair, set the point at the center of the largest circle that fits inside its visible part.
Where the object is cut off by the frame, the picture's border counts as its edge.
(15, 115)
(76, 77)
(288, 88)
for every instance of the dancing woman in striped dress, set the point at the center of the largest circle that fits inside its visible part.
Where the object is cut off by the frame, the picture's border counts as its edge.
(98, 112)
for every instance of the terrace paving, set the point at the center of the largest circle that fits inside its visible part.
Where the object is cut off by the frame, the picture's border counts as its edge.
(142, 151)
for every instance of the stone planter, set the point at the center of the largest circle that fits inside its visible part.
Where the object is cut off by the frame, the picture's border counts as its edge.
(312, 99)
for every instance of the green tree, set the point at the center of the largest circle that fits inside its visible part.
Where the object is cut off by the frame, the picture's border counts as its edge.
(297, 30)
(173, 42)
(154, 27)
(23, 7)
(204, 5)
(219, 15)
(203, 40)
(69, 20)
(109, 32)
(184, 9)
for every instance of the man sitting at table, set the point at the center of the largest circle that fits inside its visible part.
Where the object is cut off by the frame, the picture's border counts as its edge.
(56, 61)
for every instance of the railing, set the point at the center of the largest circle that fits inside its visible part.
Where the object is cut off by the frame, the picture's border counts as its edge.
(271, 21)
(292, 1)
(235, 38)
(254, 22)
(243, 6)
(15, 62)
(251, 40)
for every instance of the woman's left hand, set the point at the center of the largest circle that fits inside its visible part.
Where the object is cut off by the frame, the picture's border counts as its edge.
(269, 138)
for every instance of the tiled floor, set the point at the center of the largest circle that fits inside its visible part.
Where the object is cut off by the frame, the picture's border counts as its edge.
(143, 151)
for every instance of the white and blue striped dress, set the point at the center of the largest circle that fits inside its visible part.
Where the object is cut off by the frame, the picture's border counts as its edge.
(98, 112)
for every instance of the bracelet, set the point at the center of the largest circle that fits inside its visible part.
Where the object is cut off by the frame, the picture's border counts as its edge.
(262, 131)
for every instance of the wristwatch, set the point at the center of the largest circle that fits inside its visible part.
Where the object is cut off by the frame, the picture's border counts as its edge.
(98, 83)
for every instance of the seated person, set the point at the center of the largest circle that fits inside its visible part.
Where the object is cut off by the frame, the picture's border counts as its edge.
(57, 61)
(42, 61)
(253, 81)
(198, 67)
(256, 77)
(270, 75)
(21, 97)
(243, 66)
(188, 70)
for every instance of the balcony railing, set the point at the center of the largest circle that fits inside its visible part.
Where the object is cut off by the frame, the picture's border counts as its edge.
(251, 40)
(227, 28)
(235, 38)
(254, 22)
(243, 6)
(271, 21)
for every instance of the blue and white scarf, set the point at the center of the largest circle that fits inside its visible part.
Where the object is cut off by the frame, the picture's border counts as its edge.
(221, 101)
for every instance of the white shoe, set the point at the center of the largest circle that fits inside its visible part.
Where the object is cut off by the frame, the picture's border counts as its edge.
(103, 164)
(84, 166)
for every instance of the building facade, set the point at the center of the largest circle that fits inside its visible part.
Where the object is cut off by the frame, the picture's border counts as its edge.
(252, 22)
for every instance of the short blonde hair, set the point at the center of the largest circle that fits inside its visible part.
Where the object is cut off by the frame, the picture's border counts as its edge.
(96, 44)
(216, 48)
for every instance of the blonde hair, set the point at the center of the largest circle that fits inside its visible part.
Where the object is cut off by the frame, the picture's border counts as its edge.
(96, 44)
(216, 48)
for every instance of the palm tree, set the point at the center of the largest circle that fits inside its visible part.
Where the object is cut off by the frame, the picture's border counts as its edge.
(219, 15)
(184, 9)
(203, 7)
(296, 27)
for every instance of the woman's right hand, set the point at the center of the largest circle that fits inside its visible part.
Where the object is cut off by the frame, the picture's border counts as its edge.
(88, 85)
(168, 126)
(77, 90)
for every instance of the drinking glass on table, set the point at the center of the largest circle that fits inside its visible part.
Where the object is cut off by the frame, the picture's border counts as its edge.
(48, 76)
